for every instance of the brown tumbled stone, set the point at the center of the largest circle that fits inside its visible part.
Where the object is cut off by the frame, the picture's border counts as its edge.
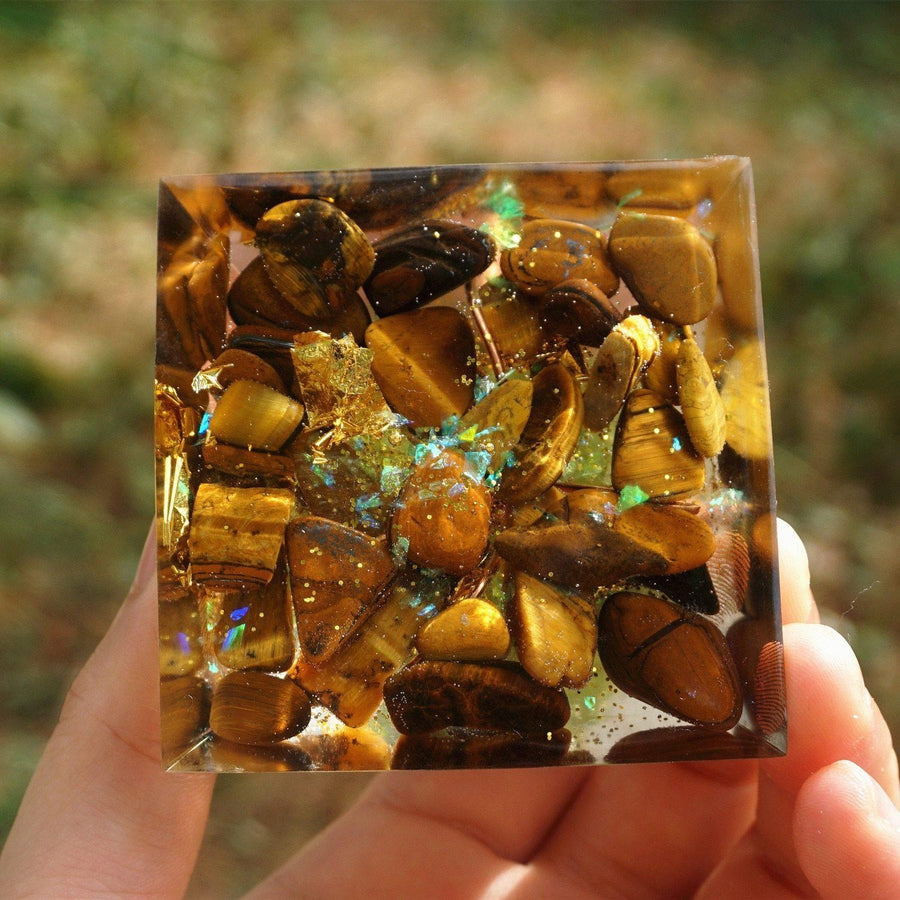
(555, 632)
(466, 748)
(314, 254)
(336, 574)
(428, 696)
(578, 310)
(684, 540)
(552, 251)
(256, 708)
(252, 629)
(549, 437)
(666, 263)
(423, 261)
(623, 356)
(661, 376)
(443, 515)
(513, 324)
(251, 414)
(652, 449)
(701, 405)
(235, 364)
(237, 534)
(583, 556)
(669, 657)
(424, 363)
(469, 630)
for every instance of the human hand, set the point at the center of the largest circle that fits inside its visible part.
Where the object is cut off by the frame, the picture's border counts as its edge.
(100, 817)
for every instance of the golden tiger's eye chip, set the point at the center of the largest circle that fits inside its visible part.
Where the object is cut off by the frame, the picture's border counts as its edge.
(256, 708)
(673, 659)
(549, 437)
(336, 574)
(653, 451)
(237, 533)
(551, 251)
(667, 264)
(555, 631)
(424, 363)
(314, 254)
(469, 630)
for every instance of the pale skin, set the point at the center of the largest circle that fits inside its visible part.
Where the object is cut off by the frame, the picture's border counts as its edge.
(821, 822)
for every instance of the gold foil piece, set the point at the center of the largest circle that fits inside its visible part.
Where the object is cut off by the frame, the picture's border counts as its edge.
(339, 391)
(176, 424)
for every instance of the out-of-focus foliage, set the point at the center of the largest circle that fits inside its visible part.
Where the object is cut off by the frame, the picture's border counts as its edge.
(99, 100)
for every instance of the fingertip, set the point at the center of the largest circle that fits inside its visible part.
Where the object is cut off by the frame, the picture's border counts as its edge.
(831, 715)
(797, 601)
(847, 834)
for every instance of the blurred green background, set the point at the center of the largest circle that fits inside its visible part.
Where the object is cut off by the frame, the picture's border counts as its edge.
(99, 100)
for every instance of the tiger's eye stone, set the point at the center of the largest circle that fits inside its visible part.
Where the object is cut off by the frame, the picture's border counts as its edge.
(552, 251)
(513, 322)
(428, 696)
(314, 254)
(653, 451)
(578, 310)
(661, 376)
(549, 437)
(252, 629)
(701, 405)
(256, 708)
(669, 657)
(336, 574)
(683, 539)
(582, 556)
(180, 652)
(184, 714)
(466, 748)
(745, 396)
(658, 188)
(424, 363)
(423, 261)
(666, 263)
(251, 414)
(555, 633)
(190, 318)
(237, 534)
(497, 421)
(623, 356)
(235, 364)
(469, 630)
(443, 515)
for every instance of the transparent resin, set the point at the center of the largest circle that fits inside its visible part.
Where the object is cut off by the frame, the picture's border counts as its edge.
(464, 467)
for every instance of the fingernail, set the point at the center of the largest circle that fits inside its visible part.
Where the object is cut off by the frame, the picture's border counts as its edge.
(146, 566)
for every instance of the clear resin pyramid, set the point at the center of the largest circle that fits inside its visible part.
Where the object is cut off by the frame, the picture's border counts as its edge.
(464, 467)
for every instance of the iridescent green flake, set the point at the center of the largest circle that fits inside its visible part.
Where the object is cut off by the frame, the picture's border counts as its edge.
(505, 203)
(631, 495)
